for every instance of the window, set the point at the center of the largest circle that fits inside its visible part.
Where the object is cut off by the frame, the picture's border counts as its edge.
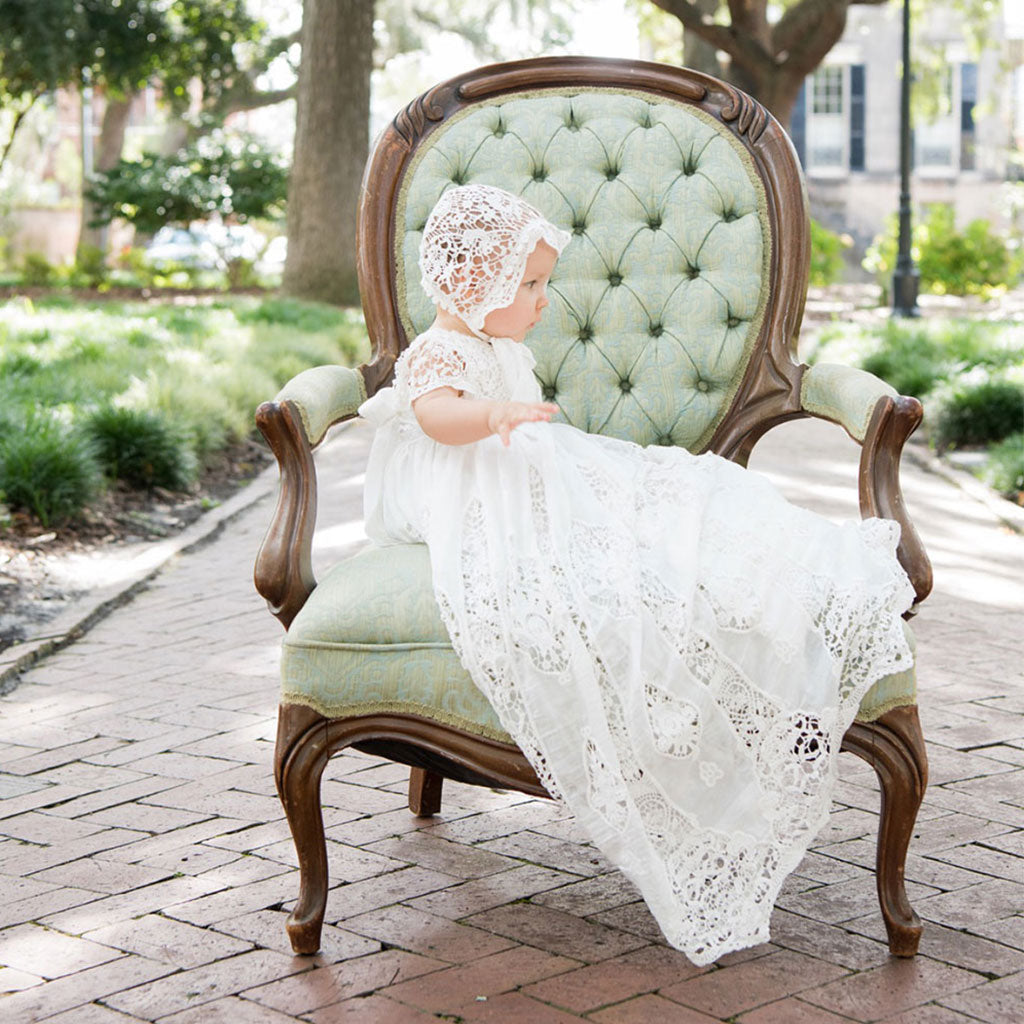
(937, 143)
(827, 120)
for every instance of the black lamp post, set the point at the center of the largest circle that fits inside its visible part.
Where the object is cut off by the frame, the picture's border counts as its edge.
(905, 279)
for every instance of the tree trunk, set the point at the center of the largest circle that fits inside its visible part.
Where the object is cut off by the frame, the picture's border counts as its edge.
(108, 152)
(331, 146)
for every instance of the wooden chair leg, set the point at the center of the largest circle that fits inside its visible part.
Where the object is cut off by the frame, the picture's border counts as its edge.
(894, 746)
(300, 756)
(424, 792)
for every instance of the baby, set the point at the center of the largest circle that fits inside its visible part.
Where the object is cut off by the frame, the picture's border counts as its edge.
(448, 416)
(657, 630)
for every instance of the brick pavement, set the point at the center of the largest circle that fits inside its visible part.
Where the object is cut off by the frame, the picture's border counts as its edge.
(146, 868)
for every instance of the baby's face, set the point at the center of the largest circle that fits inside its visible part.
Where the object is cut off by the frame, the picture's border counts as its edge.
(531, 297)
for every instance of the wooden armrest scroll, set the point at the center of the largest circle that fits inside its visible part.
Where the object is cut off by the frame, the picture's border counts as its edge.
(284, 566)
(892, 422)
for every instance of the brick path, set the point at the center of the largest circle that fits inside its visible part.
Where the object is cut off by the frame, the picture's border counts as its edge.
(146, 868)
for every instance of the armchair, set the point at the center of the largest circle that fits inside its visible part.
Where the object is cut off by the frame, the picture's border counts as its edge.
(674, 319)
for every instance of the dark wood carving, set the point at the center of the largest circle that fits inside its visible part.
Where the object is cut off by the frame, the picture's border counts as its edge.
(894, 746)
(284, 567)
(768, 394)
(750, 117)
(892, 422)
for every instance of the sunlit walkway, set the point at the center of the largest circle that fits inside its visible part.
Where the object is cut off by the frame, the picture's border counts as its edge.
(146, 869)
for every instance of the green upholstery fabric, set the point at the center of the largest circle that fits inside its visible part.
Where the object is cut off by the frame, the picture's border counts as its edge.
(370, 639)
(323, 395)
(843, 394)
(659, 296)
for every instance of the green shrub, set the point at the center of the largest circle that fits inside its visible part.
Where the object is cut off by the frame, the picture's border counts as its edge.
(90, 267)
(826, 255)
(961, 262)
(975, 261)
(909, 360)
(979, 413)
(1004, 469)
(37, 271)
(47, 470)
(141, 448)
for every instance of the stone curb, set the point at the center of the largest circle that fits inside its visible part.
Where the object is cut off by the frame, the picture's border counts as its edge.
(1009, 514)
(77, 620)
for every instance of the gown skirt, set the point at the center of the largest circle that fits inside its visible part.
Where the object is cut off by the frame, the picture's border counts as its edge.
(676, 648)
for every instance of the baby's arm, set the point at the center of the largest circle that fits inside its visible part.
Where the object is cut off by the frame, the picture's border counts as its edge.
(446, 416)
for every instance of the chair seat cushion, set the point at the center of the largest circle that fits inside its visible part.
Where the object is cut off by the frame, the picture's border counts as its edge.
(370, 639)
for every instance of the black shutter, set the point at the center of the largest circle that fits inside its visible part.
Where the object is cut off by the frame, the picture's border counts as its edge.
(968, 97)
(856, 117)
(798, 124)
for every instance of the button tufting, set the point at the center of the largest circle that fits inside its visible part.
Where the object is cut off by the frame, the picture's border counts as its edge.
(615, 280)
(655, 330)
(692, 271)
(579, 226)
(611, 173)
(585, 333)
(654, 223)
(702, 385)
(665, 441)
(729, 216)
(499, 131)
(459, 178)
(548, 391)
(540, 174)
(689, 168)
(625, 387)
(733, 321)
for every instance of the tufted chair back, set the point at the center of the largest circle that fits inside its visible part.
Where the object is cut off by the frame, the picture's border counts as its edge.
(676, 305)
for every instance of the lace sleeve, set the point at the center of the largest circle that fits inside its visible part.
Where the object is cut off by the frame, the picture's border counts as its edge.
(434, 363)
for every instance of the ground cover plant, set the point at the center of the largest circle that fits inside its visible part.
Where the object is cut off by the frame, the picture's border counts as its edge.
(968, 373)
(143, 393)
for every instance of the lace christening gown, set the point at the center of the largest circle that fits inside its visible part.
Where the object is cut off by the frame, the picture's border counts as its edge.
(676, 649)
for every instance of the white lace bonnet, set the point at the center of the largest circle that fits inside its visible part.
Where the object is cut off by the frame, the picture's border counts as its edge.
(474, 250)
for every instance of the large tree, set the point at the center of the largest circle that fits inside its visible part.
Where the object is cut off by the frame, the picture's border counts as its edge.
(770, 60)
(331, 146)
(339, 53)
(202, 53)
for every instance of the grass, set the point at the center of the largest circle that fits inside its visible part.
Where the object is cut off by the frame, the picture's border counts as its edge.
(151, 389)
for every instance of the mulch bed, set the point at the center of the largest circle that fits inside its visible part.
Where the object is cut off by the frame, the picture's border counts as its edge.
(32, 589)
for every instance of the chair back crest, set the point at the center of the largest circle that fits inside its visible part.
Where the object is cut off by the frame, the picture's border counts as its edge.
(676, 305)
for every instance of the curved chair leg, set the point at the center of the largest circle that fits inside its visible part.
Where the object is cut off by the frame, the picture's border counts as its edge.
(894, 746)
(424, 792)
(299, 760)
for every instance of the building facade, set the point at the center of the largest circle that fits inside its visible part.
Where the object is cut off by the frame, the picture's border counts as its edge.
(846, 124)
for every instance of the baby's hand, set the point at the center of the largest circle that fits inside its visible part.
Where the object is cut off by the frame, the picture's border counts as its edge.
(506, 416)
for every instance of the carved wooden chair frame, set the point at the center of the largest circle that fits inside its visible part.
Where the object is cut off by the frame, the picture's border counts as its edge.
(769, 394)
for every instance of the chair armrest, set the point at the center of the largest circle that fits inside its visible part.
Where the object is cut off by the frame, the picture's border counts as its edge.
(874, 414)
(293, 424)
(323, 396)
(844, 395)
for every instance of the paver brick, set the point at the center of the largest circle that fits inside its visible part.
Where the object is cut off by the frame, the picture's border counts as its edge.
(731, 990)
(169, 941)
(556, 932)
(198, 985)
(894, 987)
(324, 986)
(648, 1008)
(407, 928)
(441, 991)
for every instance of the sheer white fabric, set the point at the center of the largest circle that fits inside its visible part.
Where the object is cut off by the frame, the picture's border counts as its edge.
(677, 650)
(474, 249)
